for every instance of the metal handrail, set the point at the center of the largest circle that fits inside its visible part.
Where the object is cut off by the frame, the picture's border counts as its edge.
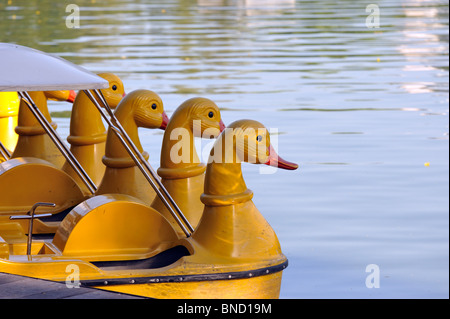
(31, 216)
(149, 169)
(71, 159)
(132, 150)
(4, 151)
(140, 161)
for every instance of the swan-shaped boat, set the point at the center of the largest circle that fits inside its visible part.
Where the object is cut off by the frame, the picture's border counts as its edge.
(87, 131)
(180, 169)
(36, 162)
(9, 113)
(118, 242)
(140, 108)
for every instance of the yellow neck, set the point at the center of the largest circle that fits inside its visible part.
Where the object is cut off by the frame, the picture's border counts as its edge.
(179, 158)
(224, 183)
(27, 123)
(115, 153)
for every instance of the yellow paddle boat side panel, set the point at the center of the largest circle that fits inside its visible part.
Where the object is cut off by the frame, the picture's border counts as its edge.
(26, 181)
(261, 287)
(122, 176)
(88, 133)
(113, 227)
(186, 196)
(236, 232)
(9, 109)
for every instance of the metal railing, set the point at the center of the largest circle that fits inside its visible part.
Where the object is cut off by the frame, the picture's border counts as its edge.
(141, 163)
(4, 151)
(31, 216)
(108, 115)
(71, 159)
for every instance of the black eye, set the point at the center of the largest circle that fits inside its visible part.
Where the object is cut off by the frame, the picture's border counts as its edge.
(210, 114)
(259, 138)
(154, 106)
(114, 87)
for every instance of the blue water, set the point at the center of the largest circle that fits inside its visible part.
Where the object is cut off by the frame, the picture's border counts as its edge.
(364, 111)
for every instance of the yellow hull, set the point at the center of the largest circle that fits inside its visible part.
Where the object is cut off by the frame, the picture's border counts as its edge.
(114, 242)
(182, 279)
(178, 268)
(261, 287)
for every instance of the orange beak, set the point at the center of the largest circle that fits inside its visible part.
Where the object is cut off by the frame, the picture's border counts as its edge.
(72, 96)
(275, 160)
(165, 121)
(222, 126)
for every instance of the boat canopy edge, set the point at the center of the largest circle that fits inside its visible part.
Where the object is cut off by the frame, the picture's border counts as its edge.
(26, 69)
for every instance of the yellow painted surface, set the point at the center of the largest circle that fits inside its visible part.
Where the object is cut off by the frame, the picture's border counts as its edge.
(231, 237)
(9, 109)
(88, 133)
(184, 177)
(262, 287)
(121, 174)
(26, 181)
(113, 227)
(33, 141)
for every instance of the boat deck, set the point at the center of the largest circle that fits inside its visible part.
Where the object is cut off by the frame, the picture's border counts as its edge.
(19, 287)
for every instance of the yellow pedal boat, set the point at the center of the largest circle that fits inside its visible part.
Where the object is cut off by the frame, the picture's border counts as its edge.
(119, 242)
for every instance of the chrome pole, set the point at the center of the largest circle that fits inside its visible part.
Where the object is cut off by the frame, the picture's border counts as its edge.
(140, 161)
(58, 142)
(31, 216)
(146, 164)
(4, 151)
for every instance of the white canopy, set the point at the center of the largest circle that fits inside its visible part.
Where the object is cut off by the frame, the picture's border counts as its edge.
(26, 69)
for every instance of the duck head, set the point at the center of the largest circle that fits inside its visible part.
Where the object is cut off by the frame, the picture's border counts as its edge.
(139, 108)
(68, 95)
(40, 98)
(85, 120)
(145, 107)
(249, 141)
(201, 116)
(115, 92)
(195, 117)
(231, 227)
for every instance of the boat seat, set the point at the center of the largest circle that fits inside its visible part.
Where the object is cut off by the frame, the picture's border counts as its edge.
(113, 227)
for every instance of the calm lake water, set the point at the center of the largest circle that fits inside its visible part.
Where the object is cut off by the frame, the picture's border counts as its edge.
(363, 110)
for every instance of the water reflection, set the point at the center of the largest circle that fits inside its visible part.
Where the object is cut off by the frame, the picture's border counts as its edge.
(418, 57)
